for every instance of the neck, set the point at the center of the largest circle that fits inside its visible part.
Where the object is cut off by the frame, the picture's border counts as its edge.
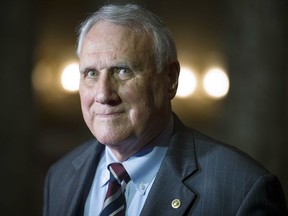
(130, 147)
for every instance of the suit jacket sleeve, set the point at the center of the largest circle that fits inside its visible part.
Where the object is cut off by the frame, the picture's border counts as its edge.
(264, 198)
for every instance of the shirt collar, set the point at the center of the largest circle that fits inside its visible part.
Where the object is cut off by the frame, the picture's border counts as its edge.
(143, 166)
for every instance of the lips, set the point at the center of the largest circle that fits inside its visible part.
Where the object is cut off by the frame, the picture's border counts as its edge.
(108, 114)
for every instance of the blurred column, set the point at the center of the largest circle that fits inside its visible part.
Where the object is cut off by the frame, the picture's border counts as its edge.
(256, 110)
(16, 115)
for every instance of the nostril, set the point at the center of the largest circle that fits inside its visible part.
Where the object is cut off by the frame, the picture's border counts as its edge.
(115, 101)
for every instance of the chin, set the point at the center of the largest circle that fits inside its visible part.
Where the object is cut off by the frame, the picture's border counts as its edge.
(109, 138)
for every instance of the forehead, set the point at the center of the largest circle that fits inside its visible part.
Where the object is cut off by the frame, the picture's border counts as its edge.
(105, 36)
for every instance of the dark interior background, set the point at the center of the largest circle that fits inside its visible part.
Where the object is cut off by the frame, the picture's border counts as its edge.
(40, 124)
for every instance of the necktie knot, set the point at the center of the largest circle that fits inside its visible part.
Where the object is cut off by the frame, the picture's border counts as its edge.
(118, 173)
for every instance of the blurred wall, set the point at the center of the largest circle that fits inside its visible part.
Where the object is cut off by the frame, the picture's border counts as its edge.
(17, 125)
(255, 113)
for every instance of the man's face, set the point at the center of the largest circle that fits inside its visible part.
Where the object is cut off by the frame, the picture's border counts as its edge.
(123, 98)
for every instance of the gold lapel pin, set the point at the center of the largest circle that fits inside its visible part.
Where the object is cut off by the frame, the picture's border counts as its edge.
(176, 203)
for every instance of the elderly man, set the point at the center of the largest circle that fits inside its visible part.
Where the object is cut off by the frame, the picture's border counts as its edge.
(144, 161)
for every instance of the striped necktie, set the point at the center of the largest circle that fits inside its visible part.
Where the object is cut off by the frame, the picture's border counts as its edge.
(115, 203)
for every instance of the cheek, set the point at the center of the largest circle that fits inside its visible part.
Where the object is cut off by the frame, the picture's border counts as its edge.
(160, 98)
(159, 89)
(136, 95)
(86, 100)
(146, 96)
(140, 100)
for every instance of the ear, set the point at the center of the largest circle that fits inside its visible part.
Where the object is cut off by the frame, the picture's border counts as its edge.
(173, 75)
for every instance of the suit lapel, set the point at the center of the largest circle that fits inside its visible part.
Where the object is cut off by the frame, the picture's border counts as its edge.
(82, 178)
(169, 194)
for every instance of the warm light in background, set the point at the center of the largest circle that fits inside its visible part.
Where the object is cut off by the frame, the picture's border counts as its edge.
(216, 83)
(70, 77)
(187, 83)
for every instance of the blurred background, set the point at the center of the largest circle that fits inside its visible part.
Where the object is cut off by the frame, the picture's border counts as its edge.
(233, 83)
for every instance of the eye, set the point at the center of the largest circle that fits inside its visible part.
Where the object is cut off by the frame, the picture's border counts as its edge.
(123, 73)
(91, 73)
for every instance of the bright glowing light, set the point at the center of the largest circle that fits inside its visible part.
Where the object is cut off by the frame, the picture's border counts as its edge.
(216, 83)
(70, 77)
(187, 83)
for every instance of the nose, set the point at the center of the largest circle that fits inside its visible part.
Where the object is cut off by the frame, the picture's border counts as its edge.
(106, 90)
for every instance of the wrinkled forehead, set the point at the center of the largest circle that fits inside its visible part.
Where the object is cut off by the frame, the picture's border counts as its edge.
(107, 36)
(109, 44)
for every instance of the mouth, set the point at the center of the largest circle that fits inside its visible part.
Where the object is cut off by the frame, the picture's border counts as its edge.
(108, 115)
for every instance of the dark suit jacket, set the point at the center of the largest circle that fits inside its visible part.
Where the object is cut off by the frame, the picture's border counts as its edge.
(204, 176)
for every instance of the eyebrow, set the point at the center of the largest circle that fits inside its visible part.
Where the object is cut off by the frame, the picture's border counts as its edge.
(132, 63)
(125, 65)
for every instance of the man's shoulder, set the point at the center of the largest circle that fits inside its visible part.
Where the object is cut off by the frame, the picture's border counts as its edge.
(213, 152)
(224, 156)
(81, 152)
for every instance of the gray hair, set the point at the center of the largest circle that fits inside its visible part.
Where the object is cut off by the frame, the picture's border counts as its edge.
(140, 20)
